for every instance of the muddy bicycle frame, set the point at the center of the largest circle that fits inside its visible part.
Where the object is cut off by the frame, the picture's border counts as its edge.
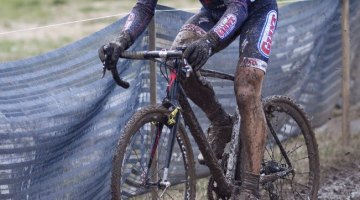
(177, 102)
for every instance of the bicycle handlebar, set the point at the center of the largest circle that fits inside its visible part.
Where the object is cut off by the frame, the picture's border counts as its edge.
(145, 55)
(139, 55)
(118, 80)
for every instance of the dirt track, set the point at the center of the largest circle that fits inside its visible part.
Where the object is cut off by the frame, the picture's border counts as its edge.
(340, 164)
(342, 181)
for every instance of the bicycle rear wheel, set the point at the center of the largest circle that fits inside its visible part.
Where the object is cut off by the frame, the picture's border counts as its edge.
(291, 149)
(130, 177)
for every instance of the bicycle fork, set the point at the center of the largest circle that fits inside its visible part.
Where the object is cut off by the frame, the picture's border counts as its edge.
(170, 147)
(163, 182)
(172, 122)
(170, 102)
(173, 119)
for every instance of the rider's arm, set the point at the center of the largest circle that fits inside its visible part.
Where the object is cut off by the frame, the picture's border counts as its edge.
(139, 18)
(234, 16)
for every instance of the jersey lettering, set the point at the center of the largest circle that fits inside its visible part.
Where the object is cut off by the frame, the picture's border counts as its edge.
(226, 26)
(265, 41)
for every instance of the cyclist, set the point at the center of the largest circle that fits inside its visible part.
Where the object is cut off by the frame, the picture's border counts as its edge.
(217, 24)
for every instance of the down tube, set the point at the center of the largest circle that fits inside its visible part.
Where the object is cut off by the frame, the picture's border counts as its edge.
(204, 146)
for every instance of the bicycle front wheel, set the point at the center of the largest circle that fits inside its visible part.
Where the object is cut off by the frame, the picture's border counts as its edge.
(131, 178)
(291, 152)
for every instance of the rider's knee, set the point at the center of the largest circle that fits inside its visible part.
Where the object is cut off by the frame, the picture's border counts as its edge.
(248, 83)
(245, 94)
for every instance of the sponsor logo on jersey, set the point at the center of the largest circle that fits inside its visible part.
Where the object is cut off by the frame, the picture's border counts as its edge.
(129, 21)
(265, 41)
(226, 26)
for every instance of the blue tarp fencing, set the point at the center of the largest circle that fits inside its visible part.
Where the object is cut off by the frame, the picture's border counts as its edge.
(59, 122)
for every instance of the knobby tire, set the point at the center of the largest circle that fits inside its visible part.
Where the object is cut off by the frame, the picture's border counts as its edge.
(294, 128)
(146, 115)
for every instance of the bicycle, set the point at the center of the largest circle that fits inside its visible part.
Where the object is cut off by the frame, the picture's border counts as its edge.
(140, 169)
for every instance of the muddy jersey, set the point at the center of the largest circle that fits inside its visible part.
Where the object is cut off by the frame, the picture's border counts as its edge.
(229, 14)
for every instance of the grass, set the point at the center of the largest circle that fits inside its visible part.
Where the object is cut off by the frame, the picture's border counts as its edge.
(201, 188)
(331, 150)
(20, 14)
(23, 47)
(330, 138)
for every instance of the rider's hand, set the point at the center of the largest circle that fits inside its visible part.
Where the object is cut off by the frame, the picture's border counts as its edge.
(114, 49)
(198, 52)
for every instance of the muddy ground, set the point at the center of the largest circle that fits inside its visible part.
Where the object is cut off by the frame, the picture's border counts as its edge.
(341, 181)
(340, 164)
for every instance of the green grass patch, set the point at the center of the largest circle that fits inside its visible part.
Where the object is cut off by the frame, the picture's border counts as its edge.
(17, 49)
(88, 9)
(47, 11)
(201, 188)
(59, 2)
(25, 11)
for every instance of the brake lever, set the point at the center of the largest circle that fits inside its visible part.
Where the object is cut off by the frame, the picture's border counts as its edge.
(103, 72)
(104, 66)
(187, 68)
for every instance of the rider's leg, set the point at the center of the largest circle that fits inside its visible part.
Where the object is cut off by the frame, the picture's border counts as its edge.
(255, 44)
(219, 131)
(200, 91)
(248, 84)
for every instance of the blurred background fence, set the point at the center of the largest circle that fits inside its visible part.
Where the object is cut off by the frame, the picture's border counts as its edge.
(59, 122)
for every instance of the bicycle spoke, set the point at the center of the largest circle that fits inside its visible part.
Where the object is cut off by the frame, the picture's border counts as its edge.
(289, 142)
(298, 184)
(295, 191)
(296, 148)
(139, 160)
(301, 173)
(299, 195)
(307, 157)
(153, 174)
(286, 144)
(267, 150)
(158, 171)
(169, 195)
